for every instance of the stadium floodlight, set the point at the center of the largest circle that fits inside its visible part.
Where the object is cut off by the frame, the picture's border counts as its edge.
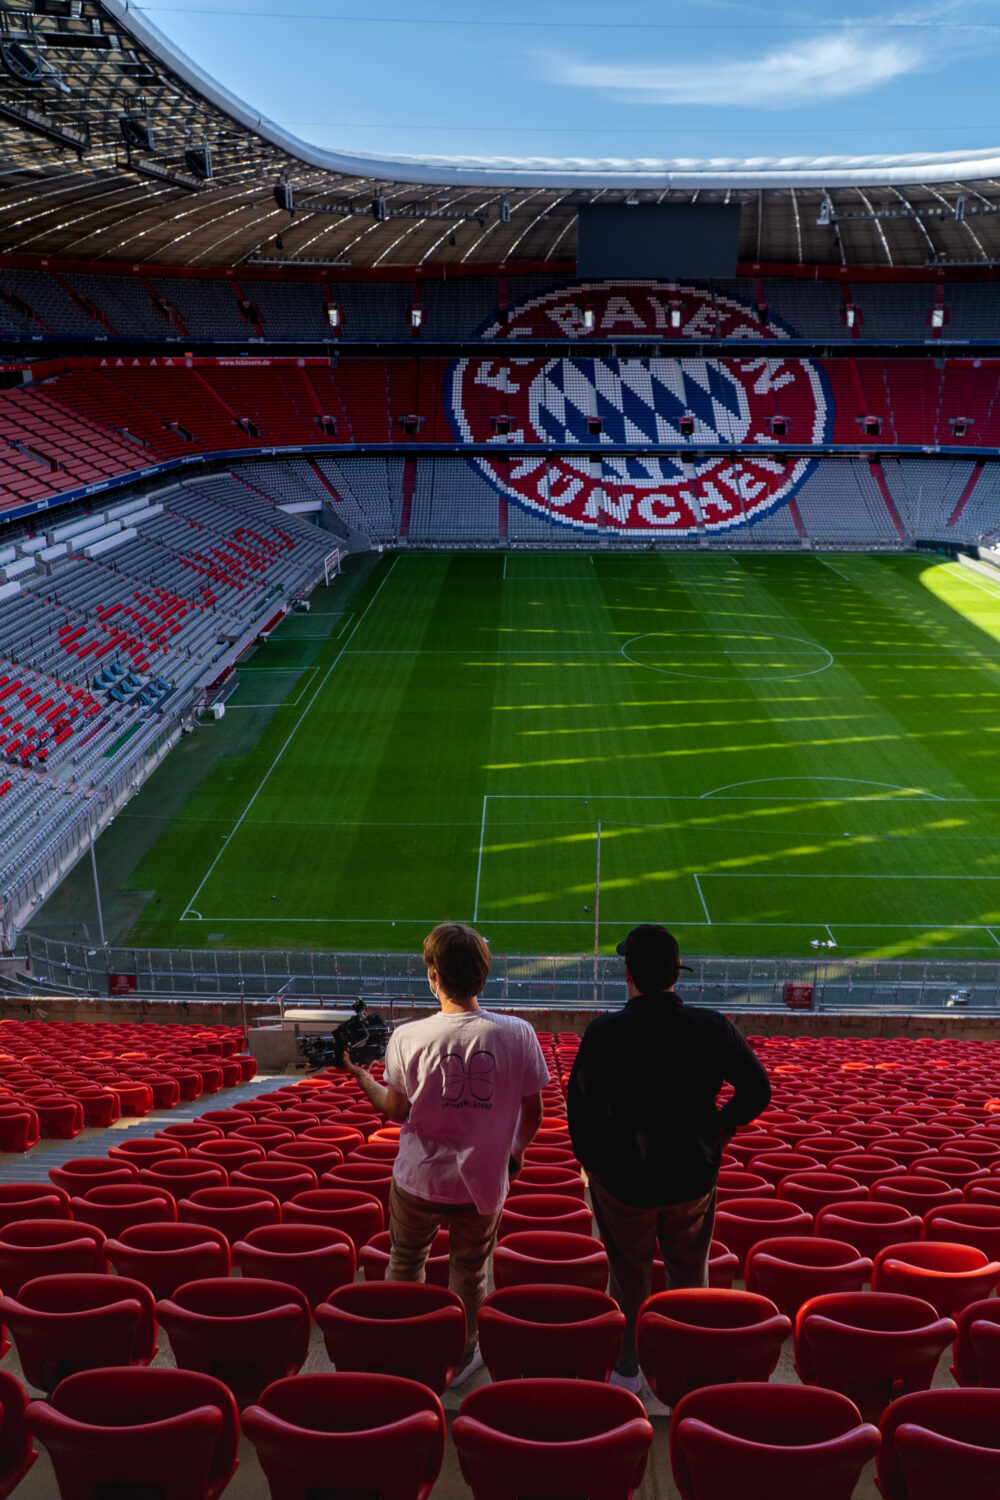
(137, 131)
(76, 137)
(960, 208)
(22, 63)
(198, 160)
(504, 211)
(164, 172)
(825, 213)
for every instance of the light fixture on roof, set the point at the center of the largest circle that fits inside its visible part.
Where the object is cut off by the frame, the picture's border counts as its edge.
(198, 160)
(73, 136)
(159, 171)
(380, 209)
(136, 131)
(504, 211)
(825, 213)
(22, 63)
(632, 200)
(960, 208)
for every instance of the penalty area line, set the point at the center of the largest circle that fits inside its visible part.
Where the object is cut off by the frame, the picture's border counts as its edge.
(701, 898)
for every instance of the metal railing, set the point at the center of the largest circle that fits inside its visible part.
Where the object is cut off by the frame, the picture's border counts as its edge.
(31, 885)
(569, 983)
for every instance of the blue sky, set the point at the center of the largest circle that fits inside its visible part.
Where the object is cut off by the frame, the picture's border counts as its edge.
(722, 78)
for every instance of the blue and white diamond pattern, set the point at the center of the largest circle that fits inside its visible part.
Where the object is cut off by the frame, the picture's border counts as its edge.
(638, 402)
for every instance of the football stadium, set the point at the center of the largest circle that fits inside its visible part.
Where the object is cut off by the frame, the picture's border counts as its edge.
(552, 547)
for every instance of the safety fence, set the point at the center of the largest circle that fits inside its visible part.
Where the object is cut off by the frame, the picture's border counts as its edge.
(570, 983)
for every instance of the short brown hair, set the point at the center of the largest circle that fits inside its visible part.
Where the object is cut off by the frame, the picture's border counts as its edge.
(460, 957)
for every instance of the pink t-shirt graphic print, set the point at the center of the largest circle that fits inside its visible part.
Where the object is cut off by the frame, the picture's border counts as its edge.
(468, 1083)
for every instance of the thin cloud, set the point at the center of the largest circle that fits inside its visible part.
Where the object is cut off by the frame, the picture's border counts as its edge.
(801, 72)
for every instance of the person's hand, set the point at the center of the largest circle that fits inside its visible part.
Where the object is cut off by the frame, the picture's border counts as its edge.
(356, 1071)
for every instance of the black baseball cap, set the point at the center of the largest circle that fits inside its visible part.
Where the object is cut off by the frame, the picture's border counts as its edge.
(653, 956)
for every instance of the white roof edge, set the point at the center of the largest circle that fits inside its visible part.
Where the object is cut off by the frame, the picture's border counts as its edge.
(496, 173)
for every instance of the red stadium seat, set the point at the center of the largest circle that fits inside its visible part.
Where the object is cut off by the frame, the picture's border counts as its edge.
(32, 1200)
(312, 1257)
(181, 1176)
(321, 1157)
(411, 1329)
(549, 1438)
(17, 1453)
(47, 1247)
(545, 1211)
(817, 1190)
(244, 1332)
(700, 1336)
(550, 1331)
(782, 1441)
(790, 1271)
(868, 1226)
(355, 1175)
(545, 1256)
(19, 1127)
(377, 1434)
(871, 1346)
(941, 1443)
(230, 1153)
(283, 1179)
(107, 1429)
(948, 1276)
(359, 1215)
(976, 1224)
(547, 1179)
(742, 1222)
(62, 1324)
(917, 1194)
(234, 1211)
(115, 1206)
(977, 1344)
(147, 1151)
(190, 1132)
(165, 1256)
(85, 1172)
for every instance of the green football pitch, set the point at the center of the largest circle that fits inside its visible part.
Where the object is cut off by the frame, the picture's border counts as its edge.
(760, 751)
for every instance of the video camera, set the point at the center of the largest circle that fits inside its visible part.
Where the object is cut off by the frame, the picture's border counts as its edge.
(363, 1039)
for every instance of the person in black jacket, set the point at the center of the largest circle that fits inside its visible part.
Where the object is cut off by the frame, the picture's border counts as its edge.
(646, 1127)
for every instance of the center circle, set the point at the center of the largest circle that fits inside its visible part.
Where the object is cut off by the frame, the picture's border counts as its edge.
(727, 656)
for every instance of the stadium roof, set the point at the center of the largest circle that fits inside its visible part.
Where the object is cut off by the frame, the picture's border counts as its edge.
(106, 131)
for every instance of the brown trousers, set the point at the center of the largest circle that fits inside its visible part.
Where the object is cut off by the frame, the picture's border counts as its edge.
(413, 1223)
(683, 1232)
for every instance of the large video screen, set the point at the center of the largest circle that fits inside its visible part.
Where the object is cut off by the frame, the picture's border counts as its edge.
(662, 241)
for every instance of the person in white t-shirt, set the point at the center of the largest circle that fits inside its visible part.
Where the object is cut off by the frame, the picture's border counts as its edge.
(465, 1085)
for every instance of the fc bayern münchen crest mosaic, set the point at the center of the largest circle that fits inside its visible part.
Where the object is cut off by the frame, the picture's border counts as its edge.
(687, 402)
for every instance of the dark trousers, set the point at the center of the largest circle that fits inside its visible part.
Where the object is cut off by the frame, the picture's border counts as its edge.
(683, 1232)
(413, 1223)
